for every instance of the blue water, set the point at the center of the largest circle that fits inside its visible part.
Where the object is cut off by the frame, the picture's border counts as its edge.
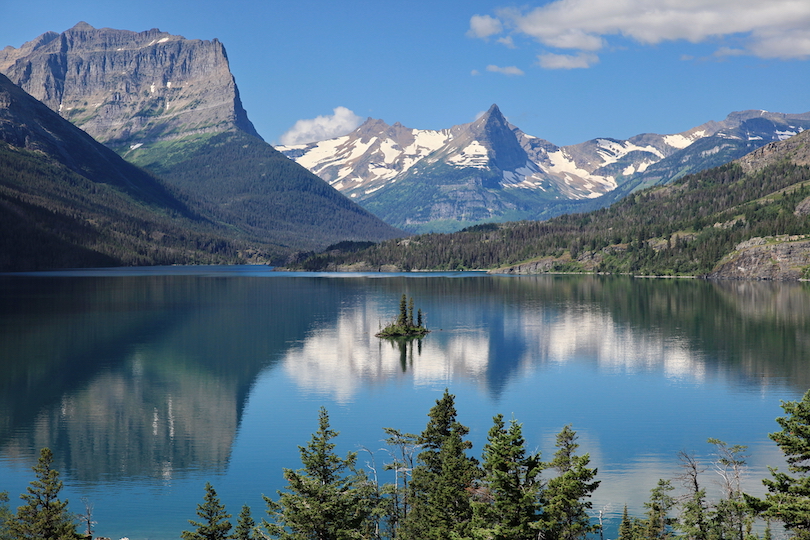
(147, 383)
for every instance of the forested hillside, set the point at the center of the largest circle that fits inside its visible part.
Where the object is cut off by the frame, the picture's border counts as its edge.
(684, 228)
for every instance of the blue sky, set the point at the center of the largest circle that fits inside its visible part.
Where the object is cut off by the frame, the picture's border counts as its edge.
(565, 70)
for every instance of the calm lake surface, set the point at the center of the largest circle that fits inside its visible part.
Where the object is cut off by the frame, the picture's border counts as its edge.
(147, 383)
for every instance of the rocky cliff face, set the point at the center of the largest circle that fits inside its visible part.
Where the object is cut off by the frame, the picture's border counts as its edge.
(130, 88)
(777, 259)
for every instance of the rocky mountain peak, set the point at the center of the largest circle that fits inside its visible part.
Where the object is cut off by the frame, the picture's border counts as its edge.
(130, 88)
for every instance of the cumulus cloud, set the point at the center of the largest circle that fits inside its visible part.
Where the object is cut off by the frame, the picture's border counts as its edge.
(483, 26)
(768, 29)
(340, 122)
(567, 61)
(508, 70)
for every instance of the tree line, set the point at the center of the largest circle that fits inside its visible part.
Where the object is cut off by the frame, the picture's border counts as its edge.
(683, 228)
(440, 492)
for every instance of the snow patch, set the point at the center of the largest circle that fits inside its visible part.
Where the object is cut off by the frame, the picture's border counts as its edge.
(782, 135)
(473, 155)
(135, 146)
(163, 40)
(390, 151)
(680, 141)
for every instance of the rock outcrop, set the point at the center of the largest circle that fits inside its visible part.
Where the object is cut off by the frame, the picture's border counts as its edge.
(777, 259)
(130, 88)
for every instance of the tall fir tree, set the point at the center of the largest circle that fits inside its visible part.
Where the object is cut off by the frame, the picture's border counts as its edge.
(443, 479)
(328, 499)
(565, 502)
(214, 524)
(44, 516)
(788, 497)
(659, 522)
(508, 501)
(6, 516)
(245, 526)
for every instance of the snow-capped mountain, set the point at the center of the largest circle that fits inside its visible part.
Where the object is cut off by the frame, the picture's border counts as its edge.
(490, 170)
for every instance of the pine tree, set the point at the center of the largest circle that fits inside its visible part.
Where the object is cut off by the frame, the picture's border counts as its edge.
(659, 523)
(6, 517)
(509, 499)
(244, 525)
(630, 528)
(327, 499)
(214, 524)
(788, 497)
(443, 479)
(44, 516)
(565, 510)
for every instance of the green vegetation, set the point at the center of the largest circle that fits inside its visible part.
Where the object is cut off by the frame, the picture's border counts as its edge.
(43, 516)
(684, 228)
(440, 492)
(214, 524)
(405, 326)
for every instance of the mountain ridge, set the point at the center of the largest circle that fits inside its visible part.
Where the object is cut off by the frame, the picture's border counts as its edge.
(170, 105)
(539, 180)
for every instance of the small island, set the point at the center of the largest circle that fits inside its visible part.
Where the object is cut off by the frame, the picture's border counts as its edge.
(403, 326)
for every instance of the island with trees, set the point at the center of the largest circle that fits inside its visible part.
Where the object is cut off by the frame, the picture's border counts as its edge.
(404, 326)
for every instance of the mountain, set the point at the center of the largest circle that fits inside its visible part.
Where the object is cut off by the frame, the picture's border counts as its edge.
(748, 219)
(130, 88)
(490, 170)
(171, 105)
(68, 201)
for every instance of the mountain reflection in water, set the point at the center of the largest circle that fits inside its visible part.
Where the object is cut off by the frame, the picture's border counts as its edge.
(147, 378)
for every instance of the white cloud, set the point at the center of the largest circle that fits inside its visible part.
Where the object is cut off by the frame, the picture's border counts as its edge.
(567, 61)
(483, 26)
(508, 70)
(341, 122)
(768, 29)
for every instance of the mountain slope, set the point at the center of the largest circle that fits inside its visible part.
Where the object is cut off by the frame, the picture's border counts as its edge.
(171, 105)
(746, 219)
(490, 170)
(68, 201)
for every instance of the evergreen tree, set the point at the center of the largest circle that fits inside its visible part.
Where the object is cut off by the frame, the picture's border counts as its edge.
(327, 499)
(788, 497)
(508, 501)
(659, 523)
(402, 320)
(244, 525)
(443, 479)
(6, 517)
(565, 511)
(630, 528)
(214, 524)
(44, 516)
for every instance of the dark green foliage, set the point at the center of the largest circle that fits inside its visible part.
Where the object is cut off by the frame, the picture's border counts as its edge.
(565, 510)
(508, 500)
(214, 524)
(44, 516)
(404, 326)
(631, 528)
(659, 523)
(245, 526)
(788, 497)
(327, 499)
(52, 217)
(443, 479)
(243, 181)
(684, 228)
(5, 517)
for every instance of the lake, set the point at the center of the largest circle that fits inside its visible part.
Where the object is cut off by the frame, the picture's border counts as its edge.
(146, 383)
